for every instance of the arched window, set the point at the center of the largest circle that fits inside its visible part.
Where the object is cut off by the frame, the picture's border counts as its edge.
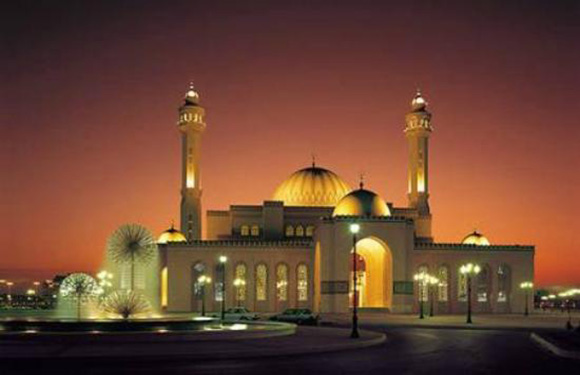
(483, 284)
(289, 231)
(255, 230)
(461, 286)
(197, 270)
(302, 282)
(423, 286)
(240, 282)
(442, 287)
(282, 282)
(218, 284)
(245, 230)
(503, 283)
(261, 282)
(300, 231)
(310, 231)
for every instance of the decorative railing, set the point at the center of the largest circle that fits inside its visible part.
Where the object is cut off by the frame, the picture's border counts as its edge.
(243, 243)
(466, 247)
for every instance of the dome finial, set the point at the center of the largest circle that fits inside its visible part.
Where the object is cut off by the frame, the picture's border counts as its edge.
(313, 160)
(418, 102)
(361, 183)
(191, 96)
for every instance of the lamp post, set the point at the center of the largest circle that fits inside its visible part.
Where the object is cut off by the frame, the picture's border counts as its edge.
(469, 270)
(36, 284)
(526, 286)
(420, 278)
(3, 282)
(238, 283)
(433, 282)
(203, 280)
(9, 285)
(354, 229)
(223, 259)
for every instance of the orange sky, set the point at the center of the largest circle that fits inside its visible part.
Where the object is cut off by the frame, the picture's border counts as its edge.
(89, 107)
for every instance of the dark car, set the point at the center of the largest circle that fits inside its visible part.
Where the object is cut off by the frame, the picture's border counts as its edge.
(298, 316)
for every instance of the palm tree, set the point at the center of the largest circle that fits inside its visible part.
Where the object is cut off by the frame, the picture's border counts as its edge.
(81, 288)
(131, 243)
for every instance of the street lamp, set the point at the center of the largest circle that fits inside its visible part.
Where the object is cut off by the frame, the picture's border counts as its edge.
(9, 296)
(433, 282)
(526, 286)
(354, 229)
(421, 279)
(203, 280)
(3, 282)
(469, 270)
(238, 283)
(223, 259)
(36, 284)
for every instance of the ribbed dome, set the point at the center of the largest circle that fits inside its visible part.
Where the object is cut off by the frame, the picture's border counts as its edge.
(361, 202)
(311, 187)
(171, 235)
(475, 238)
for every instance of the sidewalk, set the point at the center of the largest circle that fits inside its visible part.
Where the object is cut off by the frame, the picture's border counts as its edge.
(487, 321)
(562, 344)
(307, 340)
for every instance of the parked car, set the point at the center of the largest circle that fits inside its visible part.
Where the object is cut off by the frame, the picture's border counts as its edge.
(240, 313)
(298, 316)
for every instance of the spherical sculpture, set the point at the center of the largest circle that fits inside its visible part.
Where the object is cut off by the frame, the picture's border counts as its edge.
(125, 304)
(81, 288)
(130, 244)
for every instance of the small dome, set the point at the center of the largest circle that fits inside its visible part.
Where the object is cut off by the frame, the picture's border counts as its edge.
(418, 103)
(171, 235)
(361, 202)
(475, 238)
(311, 187)
(191, 96)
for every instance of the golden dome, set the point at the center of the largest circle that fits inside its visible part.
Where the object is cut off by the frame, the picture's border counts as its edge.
(361, 202)
(311, 187)
(171, 235)
(475, 239)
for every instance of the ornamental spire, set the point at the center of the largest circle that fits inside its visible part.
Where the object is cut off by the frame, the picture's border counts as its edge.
(418, 103)
(191, 96)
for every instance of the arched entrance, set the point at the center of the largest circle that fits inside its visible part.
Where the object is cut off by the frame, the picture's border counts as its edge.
(374, 274)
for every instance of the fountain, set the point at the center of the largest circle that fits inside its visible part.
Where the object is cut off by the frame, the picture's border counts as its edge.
(115, 309)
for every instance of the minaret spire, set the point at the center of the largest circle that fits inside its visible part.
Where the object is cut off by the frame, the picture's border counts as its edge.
(191, 124)
(418, 130)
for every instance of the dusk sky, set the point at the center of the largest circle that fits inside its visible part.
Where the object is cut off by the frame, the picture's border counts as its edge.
(90, 92)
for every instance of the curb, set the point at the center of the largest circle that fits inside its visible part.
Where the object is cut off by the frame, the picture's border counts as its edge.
(473, 326)
(542, 342)
(375, 339)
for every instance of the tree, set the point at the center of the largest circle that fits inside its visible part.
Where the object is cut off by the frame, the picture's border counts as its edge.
(131, 243)
(81, 288)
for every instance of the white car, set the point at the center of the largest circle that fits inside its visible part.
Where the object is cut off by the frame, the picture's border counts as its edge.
(240, 313)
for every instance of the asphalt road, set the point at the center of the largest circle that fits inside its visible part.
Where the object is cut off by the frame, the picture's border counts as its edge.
(407, 351)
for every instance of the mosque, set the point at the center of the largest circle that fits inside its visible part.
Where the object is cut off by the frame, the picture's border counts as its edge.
(296, 248)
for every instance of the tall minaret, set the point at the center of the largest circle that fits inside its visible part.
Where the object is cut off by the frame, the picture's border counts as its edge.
(191, 124)
(418, 129)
